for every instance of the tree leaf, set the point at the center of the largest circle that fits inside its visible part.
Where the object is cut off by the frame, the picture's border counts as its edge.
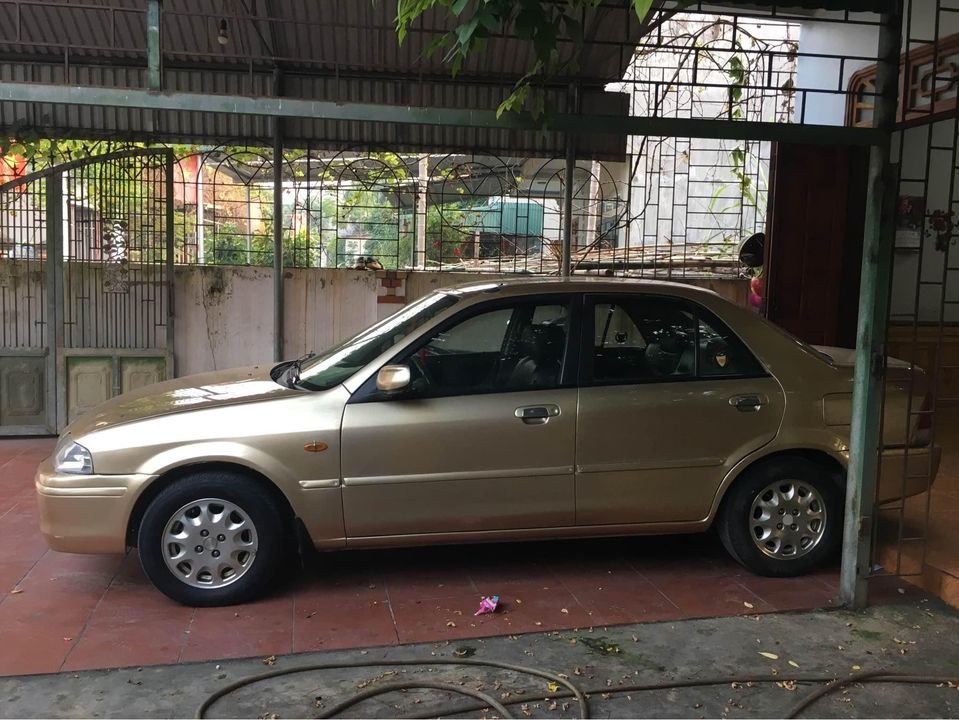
(769, 655)
(641, 7)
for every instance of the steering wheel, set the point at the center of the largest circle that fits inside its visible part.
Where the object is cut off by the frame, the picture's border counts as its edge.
(418, 361)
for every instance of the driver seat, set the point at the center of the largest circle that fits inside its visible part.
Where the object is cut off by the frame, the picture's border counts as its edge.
(541, 365)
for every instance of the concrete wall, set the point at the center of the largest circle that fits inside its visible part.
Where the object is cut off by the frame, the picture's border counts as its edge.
(224, 315)
(816, 73)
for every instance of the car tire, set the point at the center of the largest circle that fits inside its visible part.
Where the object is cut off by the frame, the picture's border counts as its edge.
(214, 538)
(782, 518)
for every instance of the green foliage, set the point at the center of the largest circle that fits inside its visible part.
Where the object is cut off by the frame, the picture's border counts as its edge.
(449, 232)
(537, 22)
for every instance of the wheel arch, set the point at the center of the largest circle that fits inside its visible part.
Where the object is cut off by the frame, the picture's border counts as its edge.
(830, 461)
(151, 491)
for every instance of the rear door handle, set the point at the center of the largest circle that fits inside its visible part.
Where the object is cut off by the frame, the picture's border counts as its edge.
(536, 414)
(746, 403)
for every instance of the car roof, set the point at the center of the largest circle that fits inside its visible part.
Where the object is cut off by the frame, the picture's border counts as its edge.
(541, 284)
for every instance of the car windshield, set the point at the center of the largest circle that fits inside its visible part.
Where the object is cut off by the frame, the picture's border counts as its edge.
(801, 343)
(329, 369)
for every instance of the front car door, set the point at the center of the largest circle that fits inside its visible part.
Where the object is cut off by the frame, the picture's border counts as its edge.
(483, 439)
(670, 400)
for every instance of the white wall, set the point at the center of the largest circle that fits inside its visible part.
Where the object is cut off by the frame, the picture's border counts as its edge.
(907, 263)
(910, 147)
(224, 315)
(823, 73)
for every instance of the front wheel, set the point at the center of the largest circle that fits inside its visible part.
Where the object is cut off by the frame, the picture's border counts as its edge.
(212, 538)
(783, 518)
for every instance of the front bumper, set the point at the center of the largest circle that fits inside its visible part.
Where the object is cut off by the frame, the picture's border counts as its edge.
(86, 513)
(905, 472)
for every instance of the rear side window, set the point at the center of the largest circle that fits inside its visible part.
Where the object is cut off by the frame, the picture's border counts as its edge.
(722, 354)
(655, 339)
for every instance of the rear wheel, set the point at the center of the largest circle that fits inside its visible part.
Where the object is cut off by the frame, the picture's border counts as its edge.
(213, 538)
(782, 518)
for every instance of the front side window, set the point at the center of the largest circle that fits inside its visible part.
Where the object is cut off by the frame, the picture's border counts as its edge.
(657, 339)
(515, 347)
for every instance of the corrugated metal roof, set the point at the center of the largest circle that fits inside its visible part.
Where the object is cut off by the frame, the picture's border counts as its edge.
(337, 50)
(209, 128)
(314, 36)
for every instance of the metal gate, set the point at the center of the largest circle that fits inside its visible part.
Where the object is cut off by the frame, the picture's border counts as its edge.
(86, 279)
(924, 309)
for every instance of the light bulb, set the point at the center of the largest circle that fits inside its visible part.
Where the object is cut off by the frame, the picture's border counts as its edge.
(223, 36)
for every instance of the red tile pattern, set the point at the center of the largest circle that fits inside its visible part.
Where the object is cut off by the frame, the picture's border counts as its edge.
(71, 612)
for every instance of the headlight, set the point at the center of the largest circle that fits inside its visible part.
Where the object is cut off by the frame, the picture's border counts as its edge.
(72, 457)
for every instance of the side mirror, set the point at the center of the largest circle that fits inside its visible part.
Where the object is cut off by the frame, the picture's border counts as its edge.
(391, 378)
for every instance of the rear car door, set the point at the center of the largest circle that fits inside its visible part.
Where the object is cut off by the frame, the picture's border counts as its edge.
(670, 399)
(483, 439)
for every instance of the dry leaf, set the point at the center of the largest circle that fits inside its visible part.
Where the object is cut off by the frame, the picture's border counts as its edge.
(565, 611)
(552, 686)
(270, 660)
(857, 667)
(793, 663)
(748, 604)
(518, 601)
(17, 591)
(450, 623)
(769, 655)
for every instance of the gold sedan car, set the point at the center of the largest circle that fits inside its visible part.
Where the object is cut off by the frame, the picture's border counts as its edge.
(497, 411)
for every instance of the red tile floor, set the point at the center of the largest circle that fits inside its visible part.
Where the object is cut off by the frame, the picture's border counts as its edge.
(67, 612)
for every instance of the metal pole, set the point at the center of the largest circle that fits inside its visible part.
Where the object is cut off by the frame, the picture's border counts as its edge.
(154, 73)
(200, 211)
(568, 205)
(168, 166)
(278, 239)
(419, 216)
(54, 393)
(864, 443)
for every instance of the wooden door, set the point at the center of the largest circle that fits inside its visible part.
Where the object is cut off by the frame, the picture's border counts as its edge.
(814, 241)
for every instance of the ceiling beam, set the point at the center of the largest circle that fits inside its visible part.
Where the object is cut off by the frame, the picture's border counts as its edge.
(35, 93)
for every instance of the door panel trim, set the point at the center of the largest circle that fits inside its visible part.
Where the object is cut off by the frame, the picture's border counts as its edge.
(314, 484)
(452, 476)
(621, 467)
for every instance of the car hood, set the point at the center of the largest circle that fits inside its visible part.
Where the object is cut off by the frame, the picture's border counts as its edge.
(194, 392)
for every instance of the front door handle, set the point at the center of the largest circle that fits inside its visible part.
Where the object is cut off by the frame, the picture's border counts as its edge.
(746, 403)
(536, 414)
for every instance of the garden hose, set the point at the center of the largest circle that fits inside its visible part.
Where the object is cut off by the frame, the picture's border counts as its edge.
(832, 684)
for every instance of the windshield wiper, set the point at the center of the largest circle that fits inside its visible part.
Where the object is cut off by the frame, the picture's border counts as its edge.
(293, 369)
